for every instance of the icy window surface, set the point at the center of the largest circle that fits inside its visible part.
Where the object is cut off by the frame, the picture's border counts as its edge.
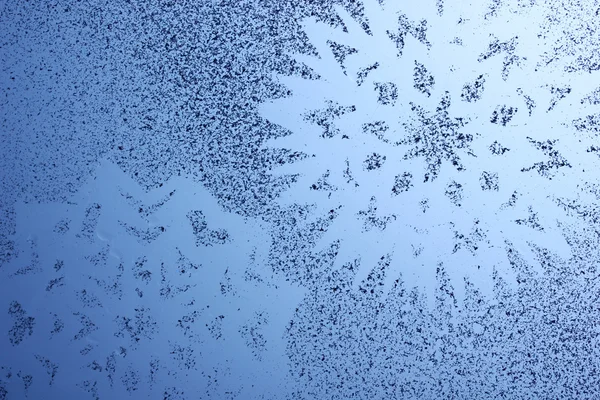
(299, 199)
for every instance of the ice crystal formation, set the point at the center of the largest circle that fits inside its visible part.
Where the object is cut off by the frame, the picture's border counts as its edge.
(435, 134)
(121, 291)
(537, 337)
(366, 152)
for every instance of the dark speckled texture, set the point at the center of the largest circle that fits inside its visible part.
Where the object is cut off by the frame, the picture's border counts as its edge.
(299, 199)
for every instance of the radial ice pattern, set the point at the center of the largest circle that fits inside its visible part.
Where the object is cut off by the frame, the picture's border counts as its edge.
(438, 134)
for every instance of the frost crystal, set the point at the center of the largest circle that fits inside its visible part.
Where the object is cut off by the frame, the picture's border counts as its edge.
(420, 135)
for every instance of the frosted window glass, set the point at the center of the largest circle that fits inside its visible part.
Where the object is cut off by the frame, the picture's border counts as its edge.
(299, 200)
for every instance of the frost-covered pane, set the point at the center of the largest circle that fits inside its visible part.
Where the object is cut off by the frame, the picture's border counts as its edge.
(306, 200)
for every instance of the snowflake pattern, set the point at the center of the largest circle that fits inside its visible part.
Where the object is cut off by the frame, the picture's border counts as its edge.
(402, 154)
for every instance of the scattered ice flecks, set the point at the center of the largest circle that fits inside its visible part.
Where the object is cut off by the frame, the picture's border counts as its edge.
(406, 27)
(57, 325)
(154, 365)
(185, 265)
(325, 118)
(470, 241)
(144, 235)
(575, 49)
(496, 47)
(472, 92)
(593, 149)
(575, 207)
(372, 220)
(3, 390)
(436, 137)
(112, 287)
(87, 326)
(377, 129)
(146, 210)
(186, 324)
(589, 123)
(23, 324)
(32, 266)
(374, 161)
(529, 102)
(347, 174)
(55, 283)
(87, 299)
(205, 236)
(215, 327)
(86, 350)
(90, 221)
(91, 388)
(107, 297)
(98, 259)
(363, 73)
(455, 192)
(592, 98)
(493, 8)
(549, 168)
(557, 95)
(184, 357)
(402, 183)
(424, 81)
(27, 381)
(50, 367)
(58, 265)
(489, 181)
(497, 149)
(387, 93)
(531, 221)
(227, 287)
(141, 326)
(131, 380)
(340, 52)
(424, 205)
(141, 271)
(592, 188)
(343, 338)
(94, 366)
(503, 114)
(174, 393)
(253, 332)
(62, 226)
(110, 368)
(167, 289)
(324, 184)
